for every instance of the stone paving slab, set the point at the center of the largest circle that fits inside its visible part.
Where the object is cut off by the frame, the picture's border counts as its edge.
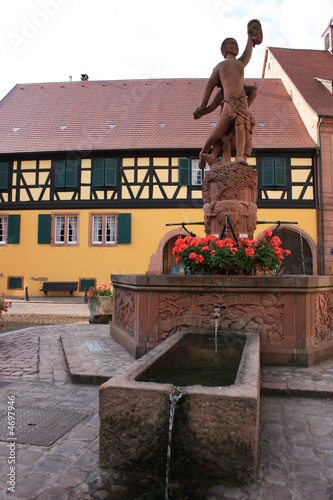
(296, 433)
(93, 366)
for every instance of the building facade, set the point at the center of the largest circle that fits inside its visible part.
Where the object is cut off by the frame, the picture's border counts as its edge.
(101, 177)
(307, 76)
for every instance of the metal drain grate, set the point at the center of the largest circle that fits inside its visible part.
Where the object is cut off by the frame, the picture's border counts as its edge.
(39, 426)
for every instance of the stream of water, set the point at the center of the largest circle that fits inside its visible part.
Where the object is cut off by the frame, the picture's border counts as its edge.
(174, 397)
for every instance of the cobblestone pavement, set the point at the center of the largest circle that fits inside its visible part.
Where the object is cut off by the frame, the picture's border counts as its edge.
(296, 433)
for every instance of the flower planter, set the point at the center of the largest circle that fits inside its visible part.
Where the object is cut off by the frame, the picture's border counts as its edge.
(262, 271)
(100, 309)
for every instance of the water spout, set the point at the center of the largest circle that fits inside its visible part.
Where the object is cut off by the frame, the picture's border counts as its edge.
(174, 397)
(217, 314)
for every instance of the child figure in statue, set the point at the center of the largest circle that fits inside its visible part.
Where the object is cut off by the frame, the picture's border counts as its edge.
(229, 76)
(229, 136)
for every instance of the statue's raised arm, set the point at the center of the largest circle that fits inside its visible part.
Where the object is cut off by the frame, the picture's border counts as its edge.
(255, 37)
(228, 77)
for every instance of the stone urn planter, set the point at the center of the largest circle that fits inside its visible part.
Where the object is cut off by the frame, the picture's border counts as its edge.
(100, 309)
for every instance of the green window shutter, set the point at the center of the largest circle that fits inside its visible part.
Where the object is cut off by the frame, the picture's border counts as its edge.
(44, 228)
(280, 172)
(111, 172)
(4, 167)
(98, 179)
(71, 174)
(124, 228)
(267, 172)
(59, 173)
(183, 172)
(14, 228)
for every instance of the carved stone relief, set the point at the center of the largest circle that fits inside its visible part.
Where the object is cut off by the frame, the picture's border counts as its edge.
(124, 308)
(239, 313)
(322, 319)
(230, 189)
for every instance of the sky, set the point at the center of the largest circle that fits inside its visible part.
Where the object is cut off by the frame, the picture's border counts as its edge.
(58, 40)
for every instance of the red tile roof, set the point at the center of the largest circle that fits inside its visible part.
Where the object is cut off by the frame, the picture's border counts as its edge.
(304, 67)
(134, 114)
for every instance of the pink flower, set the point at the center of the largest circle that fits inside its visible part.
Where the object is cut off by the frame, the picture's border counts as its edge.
(228, 242)
(220, 243)
(199, 259)
(211, 237)
(275, 241)
(249, 252)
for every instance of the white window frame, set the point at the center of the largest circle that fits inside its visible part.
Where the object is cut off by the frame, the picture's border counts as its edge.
(196, 172)
(103, 229)
(65, 229)
(3, 230)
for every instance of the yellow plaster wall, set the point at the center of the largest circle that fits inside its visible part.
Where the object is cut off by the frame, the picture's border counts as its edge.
(37, 263)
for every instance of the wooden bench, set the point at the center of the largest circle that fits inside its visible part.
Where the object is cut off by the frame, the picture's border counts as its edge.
(59, 286)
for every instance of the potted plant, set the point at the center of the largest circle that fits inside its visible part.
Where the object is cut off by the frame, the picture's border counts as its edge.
(4, 306)
(100, 303)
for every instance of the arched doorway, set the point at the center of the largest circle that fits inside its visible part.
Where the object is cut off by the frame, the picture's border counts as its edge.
(301, 259)
(169, 260)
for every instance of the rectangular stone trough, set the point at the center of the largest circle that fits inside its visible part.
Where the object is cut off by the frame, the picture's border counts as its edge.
(216, 429)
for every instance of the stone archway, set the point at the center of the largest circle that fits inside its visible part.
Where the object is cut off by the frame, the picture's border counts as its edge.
(303, 258)
(161, 261)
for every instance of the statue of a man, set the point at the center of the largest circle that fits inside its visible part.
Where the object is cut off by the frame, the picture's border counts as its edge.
(229, 75)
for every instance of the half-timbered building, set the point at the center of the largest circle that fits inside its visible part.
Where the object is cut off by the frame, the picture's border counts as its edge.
(100, 177)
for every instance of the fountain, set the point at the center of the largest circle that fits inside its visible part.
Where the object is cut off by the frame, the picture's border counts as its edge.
(283, 319)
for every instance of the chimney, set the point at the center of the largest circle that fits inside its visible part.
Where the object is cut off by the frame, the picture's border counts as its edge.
(84, 77)
(328, 37)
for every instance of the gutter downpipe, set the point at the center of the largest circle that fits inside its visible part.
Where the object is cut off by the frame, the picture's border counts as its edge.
(321, 203)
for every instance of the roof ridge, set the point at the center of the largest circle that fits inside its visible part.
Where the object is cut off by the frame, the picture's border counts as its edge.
(299, 50)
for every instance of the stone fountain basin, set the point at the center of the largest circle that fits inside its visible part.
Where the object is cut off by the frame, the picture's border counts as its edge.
(217, 427)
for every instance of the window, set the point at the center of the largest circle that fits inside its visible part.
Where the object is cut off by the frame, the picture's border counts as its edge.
(65, 174)
(104, 229)
(189, 172)
(15, 283)
(197, 173)
(4, 175)
(273, 172)
(104, 172)
(65, 229)
(108, 229)
(3, 229)
(10, 229)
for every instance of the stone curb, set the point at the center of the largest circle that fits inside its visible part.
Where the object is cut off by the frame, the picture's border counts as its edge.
(77, 373)
(267, 389)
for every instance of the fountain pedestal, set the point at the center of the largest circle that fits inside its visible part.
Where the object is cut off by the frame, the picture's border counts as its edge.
(230, 189)
(292, 314)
